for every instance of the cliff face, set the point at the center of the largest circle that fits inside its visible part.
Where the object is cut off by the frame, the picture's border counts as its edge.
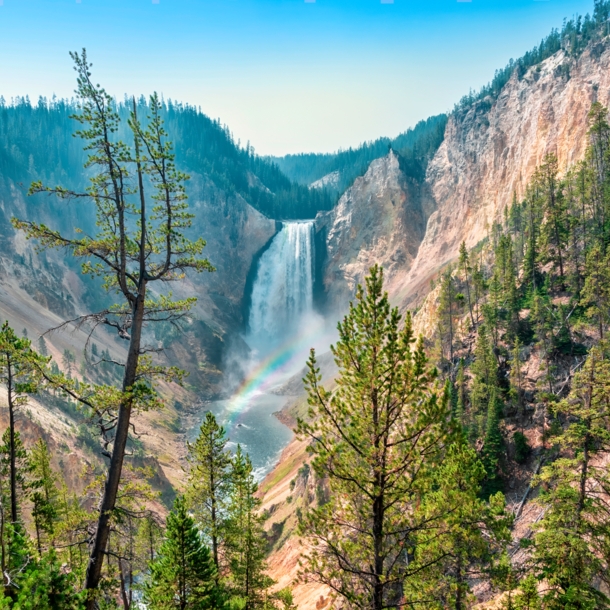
(380, 219)
(490, 150)
(39, 291)
(412, 229)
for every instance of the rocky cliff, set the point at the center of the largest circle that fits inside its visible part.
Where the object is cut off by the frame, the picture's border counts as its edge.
(380, 219)
(490, 151)
(413, 229)
(38, 291)
(41, 290)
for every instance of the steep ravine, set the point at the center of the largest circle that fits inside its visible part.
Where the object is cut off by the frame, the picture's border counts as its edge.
(413, 230)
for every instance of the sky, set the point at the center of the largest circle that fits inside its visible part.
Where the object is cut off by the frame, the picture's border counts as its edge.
(288, 76)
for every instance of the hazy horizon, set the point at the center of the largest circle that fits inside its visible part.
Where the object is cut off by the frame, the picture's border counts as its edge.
(288, 76)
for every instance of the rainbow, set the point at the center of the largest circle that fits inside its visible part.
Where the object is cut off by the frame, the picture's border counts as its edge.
(277, 367)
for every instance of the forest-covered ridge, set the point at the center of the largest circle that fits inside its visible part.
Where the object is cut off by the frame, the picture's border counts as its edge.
(416, 146)
(36, 142)
(573, 38)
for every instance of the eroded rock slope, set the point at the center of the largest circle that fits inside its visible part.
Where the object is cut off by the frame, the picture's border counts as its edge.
(490, 151)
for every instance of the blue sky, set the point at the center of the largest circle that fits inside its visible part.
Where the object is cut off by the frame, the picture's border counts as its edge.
(287, 75)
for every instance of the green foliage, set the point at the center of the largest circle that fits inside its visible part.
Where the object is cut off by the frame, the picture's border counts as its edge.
(522, 448)
(140, 238)
(45, 498)
(36, 143)
(415, 147)
(484, 370)
(493, 446)
(528, 597)
(465, 542)
(20, 374)
(209, 483)
(596, 289)
(447, 313)
(15, 476)
(244, 537)
(183, 574)
(377, 439)
(46, 585)
(569, 547)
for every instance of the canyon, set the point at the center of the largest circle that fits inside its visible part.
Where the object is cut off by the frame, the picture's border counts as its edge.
(410, 225)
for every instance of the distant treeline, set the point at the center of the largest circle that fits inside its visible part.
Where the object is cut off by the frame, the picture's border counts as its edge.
(416, 146)
(36, 141)
(573, 38)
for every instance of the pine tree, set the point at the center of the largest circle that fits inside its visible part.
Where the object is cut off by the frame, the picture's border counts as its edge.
(15, 557)
(208, 483)
(446, 313)
(599, 134)
(555, 229)
(493, 446)
(516, 226)
(183, 574)
(149, 537)
(72, 530)
(377, 439)
(528, 597)
(20, 374)
(45, 498)
(531, 259)
(465, 270)
(596, 290)
(45, 585)
(141, 239)
(491, 309)
(570, 549)
(485, 374)
(479, 285)
(15, 552)
(544, 326)
(460, 386)
(244, 537)
(469, 539)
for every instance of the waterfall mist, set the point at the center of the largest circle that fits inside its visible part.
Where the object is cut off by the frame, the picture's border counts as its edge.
(282, 327)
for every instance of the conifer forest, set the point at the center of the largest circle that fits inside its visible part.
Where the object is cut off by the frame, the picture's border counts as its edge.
(450, 444)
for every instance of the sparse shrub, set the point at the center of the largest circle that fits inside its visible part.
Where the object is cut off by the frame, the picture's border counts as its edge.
(522, 448)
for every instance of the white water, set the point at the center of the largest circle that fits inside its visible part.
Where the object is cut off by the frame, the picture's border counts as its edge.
(282, 294)
(282, 326)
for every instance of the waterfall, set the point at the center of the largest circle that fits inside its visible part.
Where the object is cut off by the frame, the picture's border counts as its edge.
(282, 327)
(282, 294)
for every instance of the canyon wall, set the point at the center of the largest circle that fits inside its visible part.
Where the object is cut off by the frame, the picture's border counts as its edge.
(490, 151)
(381, 219)
(39, 291)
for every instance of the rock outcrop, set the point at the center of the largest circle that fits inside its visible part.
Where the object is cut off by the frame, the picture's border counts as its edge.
(490, 151)
(380, 219)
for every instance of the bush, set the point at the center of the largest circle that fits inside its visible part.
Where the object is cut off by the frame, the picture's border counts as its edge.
(522, 448)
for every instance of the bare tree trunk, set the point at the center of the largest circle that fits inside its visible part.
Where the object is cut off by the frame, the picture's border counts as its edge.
(13, 465)
(96, 557)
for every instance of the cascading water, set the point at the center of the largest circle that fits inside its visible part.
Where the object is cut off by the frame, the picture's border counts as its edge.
(282, 326)
(282, 294)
